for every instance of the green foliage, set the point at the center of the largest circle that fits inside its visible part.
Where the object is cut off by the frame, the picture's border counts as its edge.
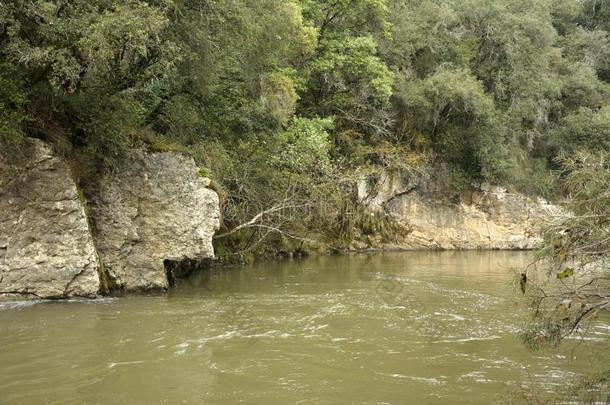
(279, 96)
(568, 285)
(237, 75)
(535, 62)
(341, 17)
(461, 119)
(346, 77)
(13, 100)
(584, 128)
(350, 66)
(276, 97)
(595, 14)
(575, 254)
(531, 176)
(478, 83)
(304, 147)
(94, 68)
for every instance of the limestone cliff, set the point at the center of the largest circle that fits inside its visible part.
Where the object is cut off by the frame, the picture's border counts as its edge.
(46, 249)
(482, 218)
(154, 208)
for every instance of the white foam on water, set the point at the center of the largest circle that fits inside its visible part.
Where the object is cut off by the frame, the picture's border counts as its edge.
(20, 304)
(429, 381)
(125, 363)
(469, 339)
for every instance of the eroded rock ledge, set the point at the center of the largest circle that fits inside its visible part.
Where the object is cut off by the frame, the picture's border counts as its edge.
(486, 217)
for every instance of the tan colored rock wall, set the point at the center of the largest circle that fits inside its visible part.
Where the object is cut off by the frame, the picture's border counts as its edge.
(499, 221)
(46, 249)
(154, 208)
(488, 218)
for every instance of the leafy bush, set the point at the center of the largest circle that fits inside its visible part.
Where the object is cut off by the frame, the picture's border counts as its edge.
(584, 128)
(461, 119)
(13, 100)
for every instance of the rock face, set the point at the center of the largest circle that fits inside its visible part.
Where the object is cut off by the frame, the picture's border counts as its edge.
(154, 209)
(46, 249)
(487, 218)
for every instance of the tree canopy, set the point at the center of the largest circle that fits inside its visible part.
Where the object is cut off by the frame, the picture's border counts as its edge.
(298, 91)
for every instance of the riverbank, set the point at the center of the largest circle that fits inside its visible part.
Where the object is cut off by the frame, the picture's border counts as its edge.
(154, 218)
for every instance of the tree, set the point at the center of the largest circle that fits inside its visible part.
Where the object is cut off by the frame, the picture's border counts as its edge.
(274, 188)
(238, 69)
(575, 258)
(583, 128)
(496, 90)
(576, 252)
(91, 67)
(346, 77)
(453, 108)
(13, 100)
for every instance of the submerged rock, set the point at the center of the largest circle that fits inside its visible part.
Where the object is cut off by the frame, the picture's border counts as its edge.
(154, 209)
(485, 218)
(46, 249)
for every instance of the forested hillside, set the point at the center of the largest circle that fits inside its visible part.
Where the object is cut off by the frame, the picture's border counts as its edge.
(279, 100)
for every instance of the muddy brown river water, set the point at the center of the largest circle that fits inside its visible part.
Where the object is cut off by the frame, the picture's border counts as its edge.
(393, 328)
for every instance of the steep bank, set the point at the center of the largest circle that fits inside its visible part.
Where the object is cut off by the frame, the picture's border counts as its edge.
(153, 210)
(485, 217)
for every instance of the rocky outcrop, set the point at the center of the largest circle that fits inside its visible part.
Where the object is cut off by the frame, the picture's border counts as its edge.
(154, 210)
(46, 249)
(482, 218)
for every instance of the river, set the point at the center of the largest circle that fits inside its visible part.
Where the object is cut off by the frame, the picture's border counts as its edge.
(393, 328)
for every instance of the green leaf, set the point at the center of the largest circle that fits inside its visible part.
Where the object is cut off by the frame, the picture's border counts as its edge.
(568, 272)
